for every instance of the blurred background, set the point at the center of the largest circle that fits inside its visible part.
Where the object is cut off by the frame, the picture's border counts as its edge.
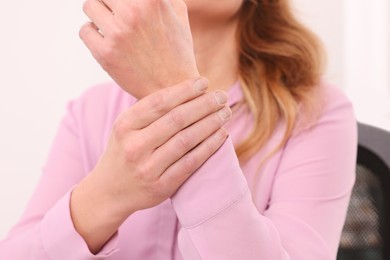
(43, 65)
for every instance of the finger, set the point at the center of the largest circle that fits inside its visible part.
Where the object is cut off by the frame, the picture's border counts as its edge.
(181, 170)
(189, 138)
(91, 37)
(157, 104)
(99, 14)
(183, 116)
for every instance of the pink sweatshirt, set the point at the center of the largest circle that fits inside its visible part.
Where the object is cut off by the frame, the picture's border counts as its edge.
(294, 209)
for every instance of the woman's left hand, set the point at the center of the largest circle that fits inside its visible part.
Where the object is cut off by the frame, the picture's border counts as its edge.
(144, 45)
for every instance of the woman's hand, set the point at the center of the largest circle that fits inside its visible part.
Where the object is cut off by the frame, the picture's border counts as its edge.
(144, 45)
(154, 148)
(159, 142)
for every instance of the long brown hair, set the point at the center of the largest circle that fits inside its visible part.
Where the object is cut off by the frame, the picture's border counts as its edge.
(280, 65)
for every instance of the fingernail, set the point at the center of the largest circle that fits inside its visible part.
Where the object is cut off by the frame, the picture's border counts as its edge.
(225, 113)
(201, 85)
(221, 97)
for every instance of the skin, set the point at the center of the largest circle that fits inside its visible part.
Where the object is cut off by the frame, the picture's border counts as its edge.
(156, 50)
(213, 27)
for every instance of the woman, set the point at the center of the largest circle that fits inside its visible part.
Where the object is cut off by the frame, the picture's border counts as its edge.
(158, 167)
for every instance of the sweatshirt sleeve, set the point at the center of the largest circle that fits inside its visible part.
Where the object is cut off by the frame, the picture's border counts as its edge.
(45, 230)
(308, 201)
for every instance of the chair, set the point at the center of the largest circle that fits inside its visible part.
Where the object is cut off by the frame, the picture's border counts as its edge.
(366, 233)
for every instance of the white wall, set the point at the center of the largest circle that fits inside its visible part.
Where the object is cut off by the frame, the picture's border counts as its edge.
(326, 18)
(43, 64)
(367, 56)
(356, 35)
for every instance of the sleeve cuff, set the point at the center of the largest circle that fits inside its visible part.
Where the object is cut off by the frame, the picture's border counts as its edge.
(212, 188)
(60, 239)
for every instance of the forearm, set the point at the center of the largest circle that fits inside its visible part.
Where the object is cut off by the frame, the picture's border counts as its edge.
(94, 213)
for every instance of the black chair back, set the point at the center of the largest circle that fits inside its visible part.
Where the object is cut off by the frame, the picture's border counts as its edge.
(366, 233)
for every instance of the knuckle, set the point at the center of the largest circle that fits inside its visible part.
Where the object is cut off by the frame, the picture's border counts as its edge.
(183, 141)
(130, 150)
(131, 17)
(143, 172)
(157, 193)
(157, 103)
(212, 145)
(210, 148)
(136, 151)
(159, 190)
(120, 128)
(105, 56)
(190, 163)
(107, 51)
(116, 35)
(177, 118)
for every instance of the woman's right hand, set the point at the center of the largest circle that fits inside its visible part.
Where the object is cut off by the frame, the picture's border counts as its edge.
(154, 148)
(144, 45)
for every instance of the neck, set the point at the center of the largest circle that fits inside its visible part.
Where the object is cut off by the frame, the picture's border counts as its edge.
(216, 52)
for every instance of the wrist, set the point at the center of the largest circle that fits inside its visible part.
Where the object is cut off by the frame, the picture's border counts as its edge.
(94, 194)
(94, 218)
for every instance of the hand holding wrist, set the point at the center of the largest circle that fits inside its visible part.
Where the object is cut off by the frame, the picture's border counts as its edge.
(154, 148)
